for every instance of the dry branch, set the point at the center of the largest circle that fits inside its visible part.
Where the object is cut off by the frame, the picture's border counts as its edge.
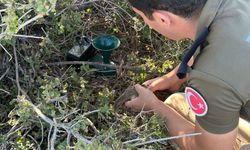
(160, 140)
(135, 69)
(54, 124)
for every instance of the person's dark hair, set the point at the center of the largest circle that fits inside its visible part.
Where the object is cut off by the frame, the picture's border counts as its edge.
(183, 8)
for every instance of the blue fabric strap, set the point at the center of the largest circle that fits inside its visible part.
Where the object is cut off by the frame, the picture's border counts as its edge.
(182, 71)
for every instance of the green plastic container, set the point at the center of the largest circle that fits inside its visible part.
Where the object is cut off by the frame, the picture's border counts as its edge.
(105, 44)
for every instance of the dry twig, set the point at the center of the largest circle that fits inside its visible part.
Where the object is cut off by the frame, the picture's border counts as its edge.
(54, 125)
(135, 69)
(159, 140)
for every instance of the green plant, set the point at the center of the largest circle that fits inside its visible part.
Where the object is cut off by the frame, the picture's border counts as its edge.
(50, 105)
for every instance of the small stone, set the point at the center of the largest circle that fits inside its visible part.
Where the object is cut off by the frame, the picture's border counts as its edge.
(127, 95)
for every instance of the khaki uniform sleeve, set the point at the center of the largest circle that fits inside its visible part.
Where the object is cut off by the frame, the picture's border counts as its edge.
(224, 103)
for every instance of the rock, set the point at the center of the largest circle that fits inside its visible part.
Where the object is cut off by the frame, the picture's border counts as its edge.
(131, 93)
(127, 95)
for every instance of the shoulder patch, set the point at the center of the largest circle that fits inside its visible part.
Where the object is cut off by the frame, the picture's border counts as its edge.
(196, 102)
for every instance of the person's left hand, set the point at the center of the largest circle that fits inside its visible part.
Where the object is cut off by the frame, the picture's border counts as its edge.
(146, 100)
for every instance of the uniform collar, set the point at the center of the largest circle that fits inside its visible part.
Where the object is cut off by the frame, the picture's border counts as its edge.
(208, 14)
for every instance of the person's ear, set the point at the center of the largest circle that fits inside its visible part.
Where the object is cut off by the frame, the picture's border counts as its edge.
(162, 17)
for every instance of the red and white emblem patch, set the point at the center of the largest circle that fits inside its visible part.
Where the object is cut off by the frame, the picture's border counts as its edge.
(196, 102)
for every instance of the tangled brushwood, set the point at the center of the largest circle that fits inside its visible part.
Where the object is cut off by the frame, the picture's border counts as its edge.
(46, 103)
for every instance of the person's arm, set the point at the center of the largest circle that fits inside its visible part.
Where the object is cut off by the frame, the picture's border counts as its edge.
(169, 81)
(178, 125)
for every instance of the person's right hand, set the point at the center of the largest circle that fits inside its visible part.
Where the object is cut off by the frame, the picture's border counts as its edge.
(146, 100)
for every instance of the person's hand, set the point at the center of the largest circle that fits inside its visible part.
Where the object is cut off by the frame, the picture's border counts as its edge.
(163, 83)
(146, 100)
(168, 82)
(157, 84)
